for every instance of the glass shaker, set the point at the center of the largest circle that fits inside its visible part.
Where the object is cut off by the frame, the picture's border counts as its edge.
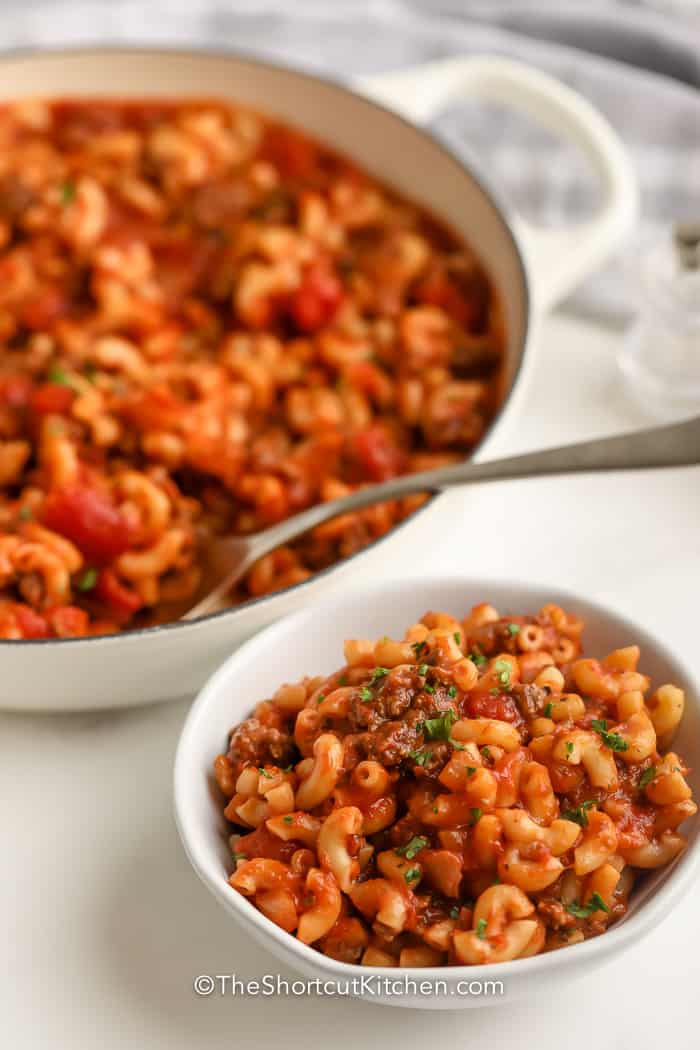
(660, 355)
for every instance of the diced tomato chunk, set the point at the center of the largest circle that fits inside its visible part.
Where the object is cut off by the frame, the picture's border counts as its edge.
(68, 621)
(52, 399)
(262, 843)
(122, 601)
(15, 391)
(46, 307)
(86, 516)
(292, 154)
(377, 454)
(316, 300)
(498, 706)
(30, 623)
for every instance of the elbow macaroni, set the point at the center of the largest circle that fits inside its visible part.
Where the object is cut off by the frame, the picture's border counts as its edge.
(407, 812)
(210, 322)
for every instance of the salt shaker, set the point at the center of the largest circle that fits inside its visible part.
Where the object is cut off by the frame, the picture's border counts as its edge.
(660, 355)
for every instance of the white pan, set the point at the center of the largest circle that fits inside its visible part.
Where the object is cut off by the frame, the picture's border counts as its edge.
(533, 269)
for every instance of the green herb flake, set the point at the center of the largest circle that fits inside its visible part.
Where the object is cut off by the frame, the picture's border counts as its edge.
(240, 856)
(343, 680)
(428, 688)
(419, 756)
(471, 770)
(264, 773)
(579, 814)
(25, 513)
(414, 846)
(612, 740)
(503, 671)
(584, 911)
(452, 691)
(320, 699)
(647, 776)
(477, 814)
(486, 752)
(569, 748)
(454, 911)
(423, 670)
(418, 647)
(365, 694)
(439, 728)
(87, 580)
(481, 929)
(377, 673)
(478, 659)
(67, 191)
(548, 710)
(457, 637)
(513, 629)
(288, 820)
(59, 376)
(412, 875)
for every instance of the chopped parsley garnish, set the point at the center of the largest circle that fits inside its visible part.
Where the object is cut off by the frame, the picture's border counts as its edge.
(25, 514)
(612, 740)
(67, 190)
(579, 815)
(419, 756)
(439, 728)
(513, 629)
(58, 375)
(454, 911)
(596, 903)
(647, 776)
(481, 929)
(452, 691)
(457, 637)
(418, 647)
(476, 814)
(478, 659)
(548, 710)
(87, 581)
(471, 770)
(288, 820)
(486, 752)
(569, 747)
(377, 673)
(264, 773)
(423, 670)
(503, 672)
(428, 688)
(320, 699)
(414, 846)
(240, 856)
(343, 680)
(412, 874)
(365, 694)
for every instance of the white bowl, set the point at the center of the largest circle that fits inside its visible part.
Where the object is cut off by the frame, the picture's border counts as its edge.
(310, 642)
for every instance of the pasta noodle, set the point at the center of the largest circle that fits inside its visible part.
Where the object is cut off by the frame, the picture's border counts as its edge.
(209, 322)
(447, 818)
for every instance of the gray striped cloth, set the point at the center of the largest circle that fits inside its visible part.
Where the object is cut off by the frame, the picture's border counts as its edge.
(639, 64)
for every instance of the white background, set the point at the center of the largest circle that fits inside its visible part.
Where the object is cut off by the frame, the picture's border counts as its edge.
(103, 924)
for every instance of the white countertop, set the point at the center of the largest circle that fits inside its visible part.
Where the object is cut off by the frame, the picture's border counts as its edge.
(104, 925)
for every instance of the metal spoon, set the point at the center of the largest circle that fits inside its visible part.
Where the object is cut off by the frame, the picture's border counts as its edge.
(677, 445)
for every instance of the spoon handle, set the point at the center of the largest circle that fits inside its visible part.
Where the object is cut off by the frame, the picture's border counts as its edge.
(676, 445)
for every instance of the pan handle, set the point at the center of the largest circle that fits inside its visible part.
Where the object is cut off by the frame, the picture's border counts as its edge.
(557, 259)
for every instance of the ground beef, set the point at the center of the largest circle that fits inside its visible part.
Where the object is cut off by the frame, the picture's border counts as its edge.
(554, 914)
(253, 743)
(392, 742)
(531, 699)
